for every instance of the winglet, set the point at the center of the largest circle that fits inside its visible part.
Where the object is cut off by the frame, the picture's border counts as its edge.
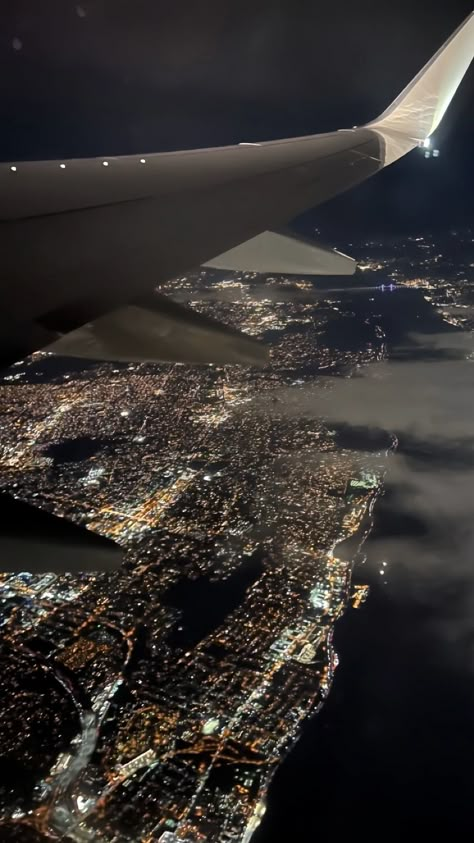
(419, 108)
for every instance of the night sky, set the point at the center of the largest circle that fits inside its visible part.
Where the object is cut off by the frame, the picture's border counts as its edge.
(116, 76)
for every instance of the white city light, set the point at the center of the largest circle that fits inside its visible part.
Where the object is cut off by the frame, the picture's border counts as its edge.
(63, 166)
(13, 168)
(105, 163)
(142, 160)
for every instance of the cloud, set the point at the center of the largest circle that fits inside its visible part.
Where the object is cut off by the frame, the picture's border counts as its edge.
(425, 396)
(426, 524)
(455, 343)
(432, 400)
(430, 559)
(429, 400)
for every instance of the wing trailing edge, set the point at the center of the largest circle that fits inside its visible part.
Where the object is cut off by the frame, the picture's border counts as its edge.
(158, 330)
(280, 253)
(36, 541)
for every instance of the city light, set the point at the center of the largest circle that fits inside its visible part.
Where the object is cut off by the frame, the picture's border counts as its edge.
(167, 694)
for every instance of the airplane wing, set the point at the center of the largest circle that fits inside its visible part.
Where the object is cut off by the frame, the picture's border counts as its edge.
(84, 237)
(34, 540)
(84, 242)
(146, 331)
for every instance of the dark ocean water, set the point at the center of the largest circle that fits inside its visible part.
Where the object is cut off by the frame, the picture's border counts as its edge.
(391, 751)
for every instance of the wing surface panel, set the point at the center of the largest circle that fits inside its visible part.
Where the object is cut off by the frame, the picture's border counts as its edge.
(160, 331)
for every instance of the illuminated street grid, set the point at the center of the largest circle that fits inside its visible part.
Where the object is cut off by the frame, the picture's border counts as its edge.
(156, 702)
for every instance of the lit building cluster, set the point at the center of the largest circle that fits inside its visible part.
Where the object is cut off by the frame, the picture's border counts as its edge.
(172, 688)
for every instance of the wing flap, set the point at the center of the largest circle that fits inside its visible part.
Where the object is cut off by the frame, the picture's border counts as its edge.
(274, 252)
(157, 330)
(36, 541)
